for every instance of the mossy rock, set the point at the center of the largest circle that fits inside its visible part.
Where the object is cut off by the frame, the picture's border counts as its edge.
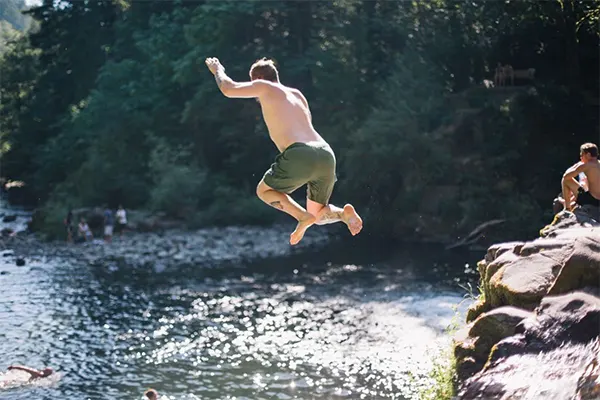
(498, 323)
(472, 344)
(467, 367)
(523, 282)
(476, 309)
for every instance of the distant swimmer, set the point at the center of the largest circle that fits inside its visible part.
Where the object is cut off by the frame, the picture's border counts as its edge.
(305, 157)
(35, 374)
(151, 394)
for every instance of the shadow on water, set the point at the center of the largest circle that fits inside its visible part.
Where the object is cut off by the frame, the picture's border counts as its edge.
(343, 322)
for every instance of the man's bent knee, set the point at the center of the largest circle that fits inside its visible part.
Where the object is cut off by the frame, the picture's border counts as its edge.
(261, 188)
(313, 207)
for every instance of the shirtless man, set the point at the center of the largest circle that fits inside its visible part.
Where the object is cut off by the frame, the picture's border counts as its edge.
(305, 157)
(35, 374)
(586, 192)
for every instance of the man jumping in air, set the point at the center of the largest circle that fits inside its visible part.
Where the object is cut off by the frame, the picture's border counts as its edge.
(305, 157)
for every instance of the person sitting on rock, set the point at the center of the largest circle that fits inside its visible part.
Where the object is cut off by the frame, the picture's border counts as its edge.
(587, 190)
(35, 374)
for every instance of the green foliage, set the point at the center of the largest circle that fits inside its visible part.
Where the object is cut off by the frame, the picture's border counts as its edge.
(110, 102)
(50, 218)
(235, 206)
(11, 13)
(443, 378)
(178, 187)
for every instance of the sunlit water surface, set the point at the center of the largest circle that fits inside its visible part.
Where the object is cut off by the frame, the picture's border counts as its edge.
(308, 327)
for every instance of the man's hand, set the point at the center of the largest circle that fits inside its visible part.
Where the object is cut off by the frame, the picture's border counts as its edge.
(214, 65)
(234, 89)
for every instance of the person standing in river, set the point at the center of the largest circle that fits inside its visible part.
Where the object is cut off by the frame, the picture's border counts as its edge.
(109, 223)
(586, 192)
(84, 231)
(121, 220)
(69, 226)
(305, 157)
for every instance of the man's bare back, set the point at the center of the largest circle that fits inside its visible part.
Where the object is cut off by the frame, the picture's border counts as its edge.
(591, 169)
(287, 116)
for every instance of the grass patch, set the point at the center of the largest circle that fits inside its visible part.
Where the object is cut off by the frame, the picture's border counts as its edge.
(471, 294)
(443, 377)
(443, 374)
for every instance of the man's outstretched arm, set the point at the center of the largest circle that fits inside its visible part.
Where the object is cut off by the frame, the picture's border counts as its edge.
(233, 89)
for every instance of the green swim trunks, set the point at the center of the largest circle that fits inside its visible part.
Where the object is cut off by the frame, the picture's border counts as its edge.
(304, 163)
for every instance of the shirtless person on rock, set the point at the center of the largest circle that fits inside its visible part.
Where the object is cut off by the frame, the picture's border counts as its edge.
(587, 190)
(305, 157)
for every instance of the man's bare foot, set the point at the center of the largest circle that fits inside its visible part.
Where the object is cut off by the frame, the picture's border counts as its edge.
(352, 219)
(303, 225)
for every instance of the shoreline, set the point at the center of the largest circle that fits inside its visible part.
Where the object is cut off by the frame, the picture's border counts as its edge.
(171, 248)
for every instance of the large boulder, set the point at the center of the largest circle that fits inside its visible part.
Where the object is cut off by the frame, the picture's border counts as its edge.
(501, 351)
(556, 347)
(473, 343)
(9, 218)
(520, 274)
(581, 268)
(574, 317)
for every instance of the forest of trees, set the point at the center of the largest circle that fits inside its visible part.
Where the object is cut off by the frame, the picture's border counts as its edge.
(109, 101)
(12, 21)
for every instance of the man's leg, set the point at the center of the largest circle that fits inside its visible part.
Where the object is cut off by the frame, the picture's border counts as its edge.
(285, 203)
(570, 189)
(330, 214)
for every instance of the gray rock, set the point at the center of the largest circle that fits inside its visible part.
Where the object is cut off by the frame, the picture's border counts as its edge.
(9, 218)
(552, 347)
(558, 277)
(6, 232)
(473, 343)
(521, 274)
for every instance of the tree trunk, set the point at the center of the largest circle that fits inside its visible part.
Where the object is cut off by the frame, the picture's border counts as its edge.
(572, 70)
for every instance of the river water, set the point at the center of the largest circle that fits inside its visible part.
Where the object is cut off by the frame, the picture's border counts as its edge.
(341, 323)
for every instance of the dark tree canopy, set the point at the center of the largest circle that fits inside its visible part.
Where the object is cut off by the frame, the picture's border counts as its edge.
(109, 101)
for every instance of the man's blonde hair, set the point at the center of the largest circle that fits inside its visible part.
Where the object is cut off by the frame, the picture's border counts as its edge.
(264, 69)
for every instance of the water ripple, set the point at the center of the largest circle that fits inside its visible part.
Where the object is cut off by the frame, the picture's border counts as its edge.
(301, 332)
